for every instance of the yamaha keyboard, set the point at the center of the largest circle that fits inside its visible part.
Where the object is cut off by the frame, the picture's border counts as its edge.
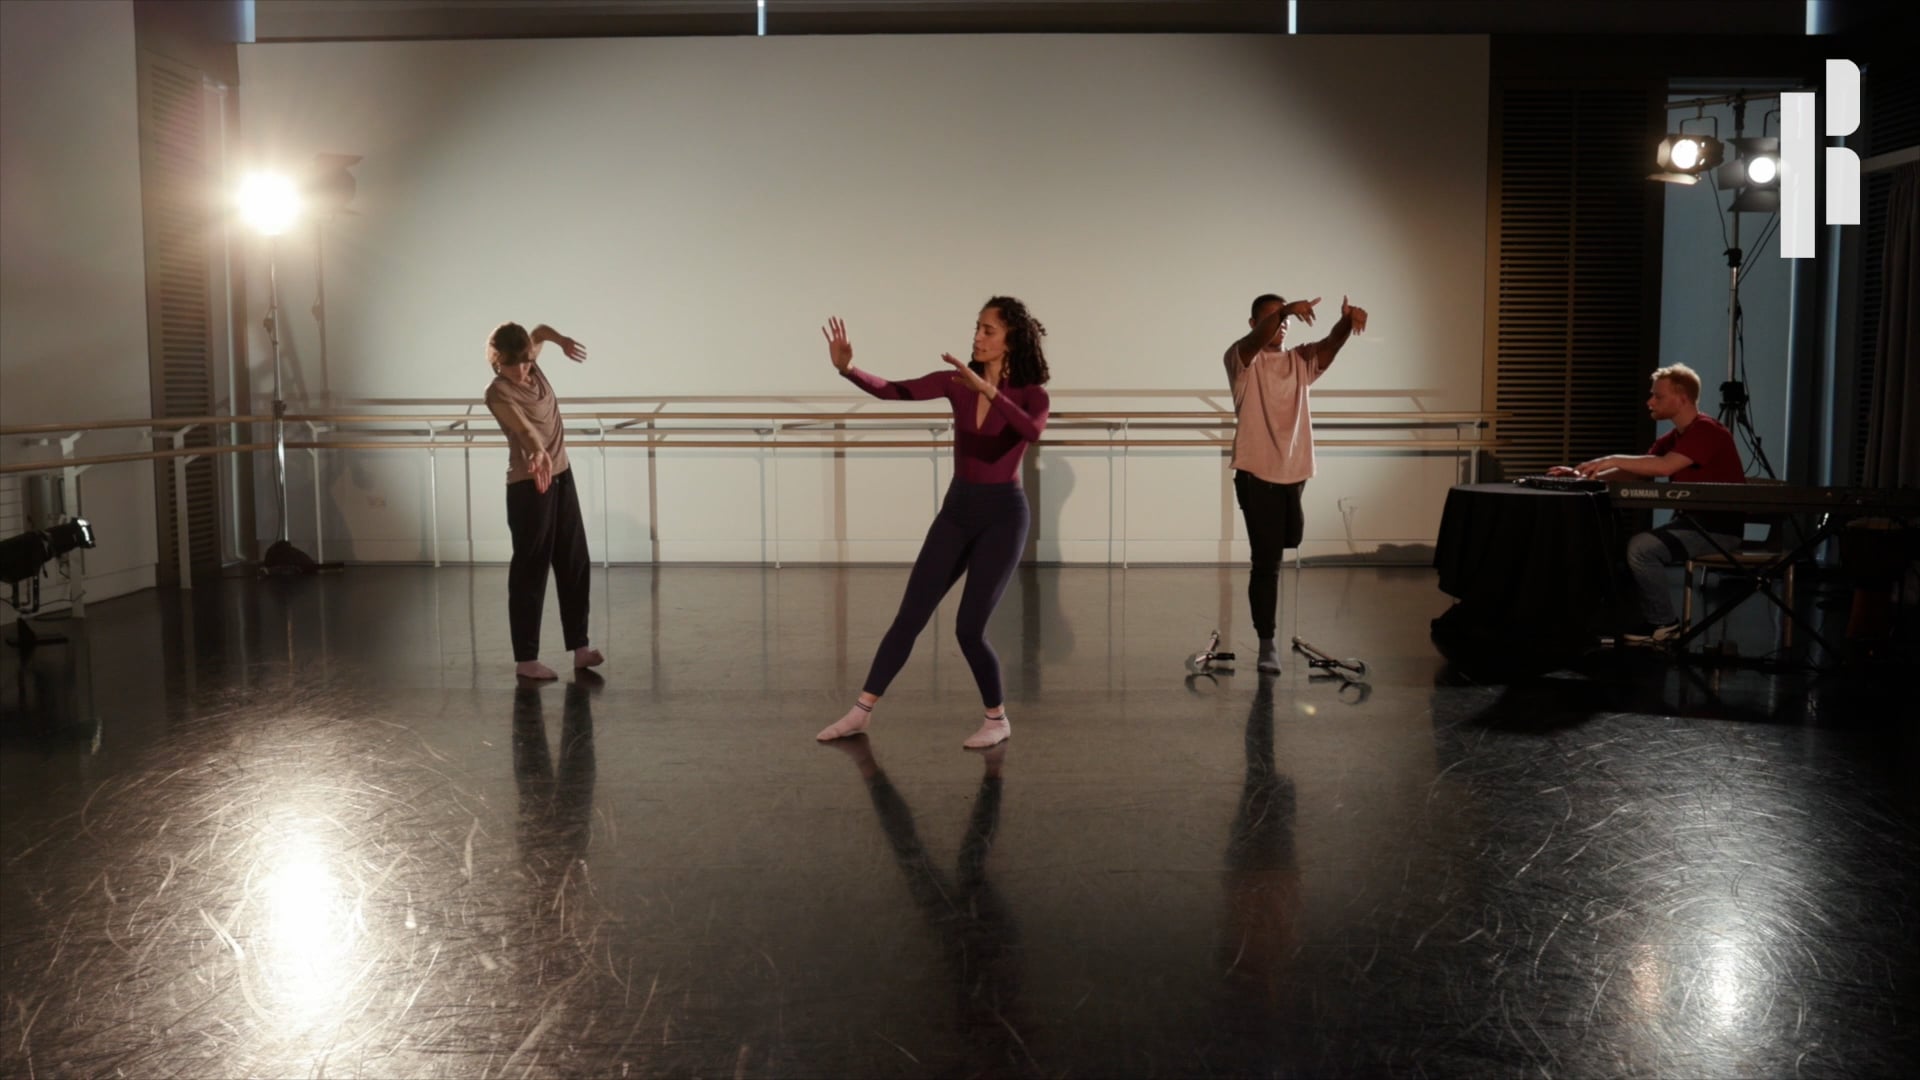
(1574, 484)
(1767, 498)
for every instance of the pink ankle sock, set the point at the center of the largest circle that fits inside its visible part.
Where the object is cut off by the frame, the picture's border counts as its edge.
(853, 723)
(994, 730)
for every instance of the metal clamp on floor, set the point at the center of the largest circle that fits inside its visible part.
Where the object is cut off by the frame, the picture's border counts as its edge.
(1352, 673)
(1210, 660)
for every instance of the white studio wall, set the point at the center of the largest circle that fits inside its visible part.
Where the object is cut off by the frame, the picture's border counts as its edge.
(694, 209)
(73, 301)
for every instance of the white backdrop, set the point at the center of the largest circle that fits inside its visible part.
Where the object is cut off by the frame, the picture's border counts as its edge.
(693, 209)
(73, 302)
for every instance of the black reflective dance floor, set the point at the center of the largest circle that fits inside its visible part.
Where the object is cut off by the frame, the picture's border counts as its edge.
(313, 828)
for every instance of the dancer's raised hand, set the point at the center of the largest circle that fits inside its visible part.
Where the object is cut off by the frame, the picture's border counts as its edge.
(543, 333)
(1357, 316)
(839, 349)
(972, 377)
(1302, 310)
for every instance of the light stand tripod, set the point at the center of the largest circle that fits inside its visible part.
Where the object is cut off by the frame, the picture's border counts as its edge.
(282, 556)
(1733, 413)
(25, 637)
(1733, 393)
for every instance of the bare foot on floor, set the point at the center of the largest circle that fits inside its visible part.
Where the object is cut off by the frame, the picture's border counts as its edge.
(534, 669)
(587, 657)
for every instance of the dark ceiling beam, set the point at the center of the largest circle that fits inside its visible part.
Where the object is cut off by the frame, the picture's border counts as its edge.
(1638, 17)
(335, 20)
(340, 20)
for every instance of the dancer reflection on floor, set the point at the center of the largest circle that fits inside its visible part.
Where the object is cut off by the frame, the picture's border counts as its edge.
(1259, 951)
(977, 933)
(556, 805)
(1000, 406)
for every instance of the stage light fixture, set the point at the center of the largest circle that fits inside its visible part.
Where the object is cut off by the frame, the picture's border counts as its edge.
(331, 187)
(1682, 158)
(269, 203)
(1756, 163)
(1748, 168)
(1683, 155)
(21, 557)
(1754, 174)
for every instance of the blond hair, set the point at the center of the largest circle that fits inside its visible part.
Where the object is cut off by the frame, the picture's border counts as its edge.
(1682, 377)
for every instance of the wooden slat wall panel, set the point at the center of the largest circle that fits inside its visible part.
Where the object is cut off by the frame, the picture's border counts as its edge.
(177, 207)
(1892, 113)
(1570, 314)
(13, 506)
(1875, 190)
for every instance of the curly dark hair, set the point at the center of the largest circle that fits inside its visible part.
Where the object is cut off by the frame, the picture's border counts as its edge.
(1026, 358)
(508, 344)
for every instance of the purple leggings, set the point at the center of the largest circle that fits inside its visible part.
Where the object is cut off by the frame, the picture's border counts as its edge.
(980, 532)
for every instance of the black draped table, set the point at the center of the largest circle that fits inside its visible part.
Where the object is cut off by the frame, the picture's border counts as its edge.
(1532, 569)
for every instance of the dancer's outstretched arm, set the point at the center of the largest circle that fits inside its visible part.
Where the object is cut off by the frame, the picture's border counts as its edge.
(1268, 328)
(1029, 422)
(840, 351)
(1353, 320)
(544, 333)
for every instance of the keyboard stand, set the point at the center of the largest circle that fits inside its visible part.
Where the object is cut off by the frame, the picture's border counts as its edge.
(1759, 579)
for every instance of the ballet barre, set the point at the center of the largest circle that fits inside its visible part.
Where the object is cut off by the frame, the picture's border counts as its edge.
(777, 431)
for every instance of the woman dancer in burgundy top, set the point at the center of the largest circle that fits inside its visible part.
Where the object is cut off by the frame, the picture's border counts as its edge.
(1000, 405)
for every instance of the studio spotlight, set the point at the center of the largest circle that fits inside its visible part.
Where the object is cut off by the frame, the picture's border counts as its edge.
(269, 203)
(331, 186)
(21, 558)
(1754, 174)
(1683, 157)
(1749, 167)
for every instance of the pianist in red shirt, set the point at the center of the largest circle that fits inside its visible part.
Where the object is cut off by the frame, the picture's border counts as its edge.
(1699, 450)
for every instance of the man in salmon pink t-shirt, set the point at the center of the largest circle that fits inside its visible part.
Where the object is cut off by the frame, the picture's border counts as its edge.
(1273, 440)
(1699, 450)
